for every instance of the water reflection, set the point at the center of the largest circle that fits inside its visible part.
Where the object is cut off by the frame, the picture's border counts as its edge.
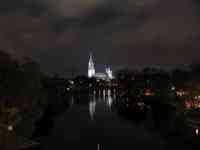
(92, 107)
(110, 99)
(104, 94)
(102, 99)
(72, 101)
(114, 94)
(74, 126)
(109, 102)
(105, 100)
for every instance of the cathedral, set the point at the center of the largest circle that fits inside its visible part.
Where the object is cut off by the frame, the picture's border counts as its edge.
(91, 71)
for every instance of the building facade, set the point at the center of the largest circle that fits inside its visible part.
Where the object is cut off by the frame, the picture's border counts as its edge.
(91, 69)
(107, 75)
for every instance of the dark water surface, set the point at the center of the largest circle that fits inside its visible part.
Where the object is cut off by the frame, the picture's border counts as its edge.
(92, 120)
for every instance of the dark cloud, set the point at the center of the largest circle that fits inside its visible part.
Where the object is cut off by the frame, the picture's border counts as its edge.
(22, 7)
(95, 17)
(61, 24)
(101, 15)
(20, 35)
(196, 6)
(35, 8)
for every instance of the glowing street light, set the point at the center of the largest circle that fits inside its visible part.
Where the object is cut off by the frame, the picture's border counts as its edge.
(173, 88)
(10, 128)
(197, 132)
(71, 82)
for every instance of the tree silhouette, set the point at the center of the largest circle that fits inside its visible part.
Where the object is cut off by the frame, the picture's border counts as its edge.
(21, 99)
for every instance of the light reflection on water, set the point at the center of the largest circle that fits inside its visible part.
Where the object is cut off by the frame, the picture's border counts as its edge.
(92, 117)
(92, 107)
(110, 100)
(106, 100)
(102, 99)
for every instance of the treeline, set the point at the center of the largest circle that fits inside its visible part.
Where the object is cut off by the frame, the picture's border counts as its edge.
(22, 100)
(159, 79)
(158, 89)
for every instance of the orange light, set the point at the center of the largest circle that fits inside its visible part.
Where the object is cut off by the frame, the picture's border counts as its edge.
(148, 92)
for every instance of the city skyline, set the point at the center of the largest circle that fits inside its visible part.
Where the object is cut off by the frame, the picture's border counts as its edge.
(129, 34)
(107, 74)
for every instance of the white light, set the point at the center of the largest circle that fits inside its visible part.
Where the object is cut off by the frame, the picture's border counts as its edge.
(104, 93)
(197, 132)
(173, 88)
(109, 92)
(10, 128)
(92, 106)
(109, 73)
(91, 69)
(91, 73)
(71, 82)
(68, 89)
(110, 101)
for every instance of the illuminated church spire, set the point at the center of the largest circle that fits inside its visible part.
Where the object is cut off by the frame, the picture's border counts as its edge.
(91, 69)
(109, 73)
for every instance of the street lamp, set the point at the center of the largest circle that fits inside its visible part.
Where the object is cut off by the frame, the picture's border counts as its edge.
(197, 132)
(10, 128)
(173, 88)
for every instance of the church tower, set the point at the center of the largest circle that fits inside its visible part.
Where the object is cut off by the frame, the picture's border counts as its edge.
(91, 69)
(109, 73)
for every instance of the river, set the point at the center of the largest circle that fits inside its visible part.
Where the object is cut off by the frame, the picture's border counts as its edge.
(91, 123)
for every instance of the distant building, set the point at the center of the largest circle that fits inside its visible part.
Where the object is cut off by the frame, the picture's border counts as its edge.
(107, 75)
(91, 69)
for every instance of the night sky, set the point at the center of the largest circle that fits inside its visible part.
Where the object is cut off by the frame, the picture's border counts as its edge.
(59, 34)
